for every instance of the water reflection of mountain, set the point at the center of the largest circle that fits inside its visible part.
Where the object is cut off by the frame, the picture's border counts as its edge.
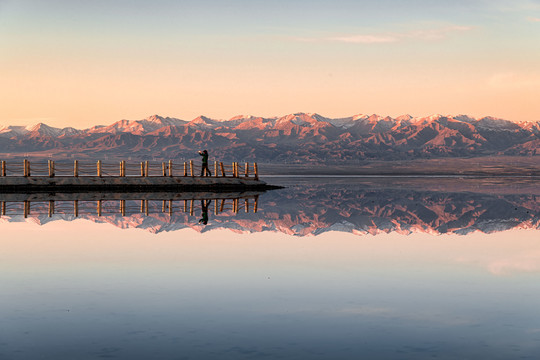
(315, 206)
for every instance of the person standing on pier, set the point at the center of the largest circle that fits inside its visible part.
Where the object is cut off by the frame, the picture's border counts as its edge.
(204, 168)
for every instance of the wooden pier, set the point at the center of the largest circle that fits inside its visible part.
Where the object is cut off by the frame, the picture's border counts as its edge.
(123, 176)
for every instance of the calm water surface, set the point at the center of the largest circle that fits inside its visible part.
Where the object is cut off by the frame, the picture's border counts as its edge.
(325, 269)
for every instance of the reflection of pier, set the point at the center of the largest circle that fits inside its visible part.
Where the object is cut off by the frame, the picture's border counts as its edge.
(126, 204)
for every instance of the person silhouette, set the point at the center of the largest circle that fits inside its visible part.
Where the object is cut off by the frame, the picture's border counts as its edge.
(204, 168)
(204, 211)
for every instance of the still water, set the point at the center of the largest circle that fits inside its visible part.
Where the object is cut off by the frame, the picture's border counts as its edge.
(342, 268)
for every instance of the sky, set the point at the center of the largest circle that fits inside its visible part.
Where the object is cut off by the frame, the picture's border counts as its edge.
(81, 63)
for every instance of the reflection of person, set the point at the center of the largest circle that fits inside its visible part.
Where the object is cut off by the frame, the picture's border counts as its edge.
(204, 211)
(204, 168)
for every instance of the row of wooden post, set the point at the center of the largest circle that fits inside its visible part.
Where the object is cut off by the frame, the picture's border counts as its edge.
(167, 169)
(167, 206)
(144, 169)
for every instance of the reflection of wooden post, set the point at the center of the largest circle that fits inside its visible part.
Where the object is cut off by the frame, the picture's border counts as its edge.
(191, 168)
(185, 169)
(123, 207)
(76, 207)
(215, 169)
(256, 205)
(170, 207)
(51, 208)
(76, 168)
(142, 168)
(146, 168)
(222, 206)
(256, 170)
(99, 168)
(170, 168)
(247, 169)
(222, 167)
(99, 205)
(146, 210)
(191, 207)
(3, 173)
(26, 208)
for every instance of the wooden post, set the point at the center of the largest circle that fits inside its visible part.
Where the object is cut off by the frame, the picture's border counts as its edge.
(123, 207)
(256, 170)
(191, 207)
(246, 205)
(99, 205)
(247, 169)
(163, 170)
(235, 205)
(3, 208)
(222, 167)
(256, 205)
(233, 169)
(191, 167)
(26, 208)
(164, 206)
(170, 168)
(222, 206)
(185, 206)
(146, 210)
(50, 163)
(146, 168)
(142, 206)
(121, 168)
(3, 168)
(76, 168)
(216, 206)
(99, 169)
(25, 168)
(142, 168)
(76, 207)
(170, 207)
(185, 169)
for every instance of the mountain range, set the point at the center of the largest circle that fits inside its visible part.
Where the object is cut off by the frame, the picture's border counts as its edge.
(299, 137)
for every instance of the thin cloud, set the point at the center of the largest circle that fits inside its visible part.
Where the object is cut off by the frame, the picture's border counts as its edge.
(426, 35)
(364, 39)
(533, 19)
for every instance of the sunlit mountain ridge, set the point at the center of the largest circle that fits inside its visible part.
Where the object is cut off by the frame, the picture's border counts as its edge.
(303, 137)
